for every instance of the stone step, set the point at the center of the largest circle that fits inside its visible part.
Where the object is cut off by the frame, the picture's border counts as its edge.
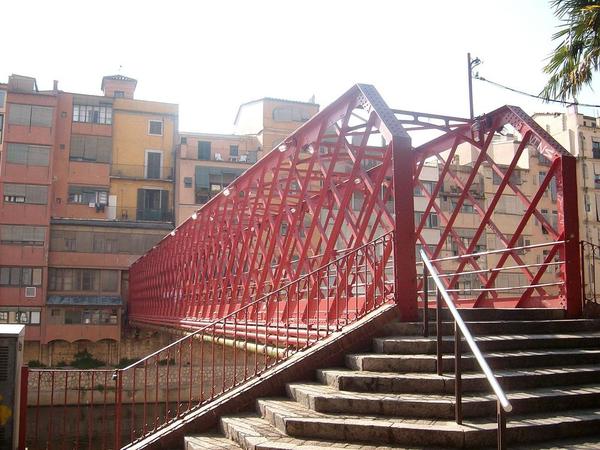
(430, 383)
(497, 360)
(484, 314)
(479, 328)
(415, 345)
(208, 442)
(253, 433)
(297, 421)
(325, 399)
(586, 443)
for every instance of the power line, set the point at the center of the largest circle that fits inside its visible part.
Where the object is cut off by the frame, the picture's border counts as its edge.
(478, 77)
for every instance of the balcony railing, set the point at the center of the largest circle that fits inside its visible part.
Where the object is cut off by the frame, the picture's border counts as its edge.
(146, 172)
(144, 214)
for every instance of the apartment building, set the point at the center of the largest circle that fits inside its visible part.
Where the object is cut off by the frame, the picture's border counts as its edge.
(207, 163)
(78, 177)
(529, 172)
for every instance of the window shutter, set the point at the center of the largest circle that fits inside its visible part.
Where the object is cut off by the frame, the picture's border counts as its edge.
(104, 149)
(77, 146)
(19, 114)
(91, 148)
(17, 153)
(141, 197)
(41, 116)
(164, 204)
(15, 189)
(202, 177)
(38, 155)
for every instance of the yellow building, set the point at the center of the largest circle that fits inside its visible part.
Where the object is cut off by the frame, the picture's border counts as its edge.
(142, 171)
(207, 162)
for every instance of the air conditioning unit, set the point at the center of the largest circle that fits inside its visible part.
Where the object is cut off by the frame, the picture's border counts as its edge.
(30, 291)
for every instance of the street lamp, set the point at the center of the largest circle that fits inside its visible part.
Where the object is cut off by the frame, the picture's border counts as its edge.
(471, 64)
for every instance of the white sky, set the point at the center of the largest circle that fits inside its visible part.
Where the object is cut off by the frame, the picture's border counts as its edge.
(210, 56)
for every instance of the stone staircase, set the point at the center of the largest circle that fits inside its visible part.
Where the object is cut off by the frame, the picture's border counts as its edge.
(391, 398)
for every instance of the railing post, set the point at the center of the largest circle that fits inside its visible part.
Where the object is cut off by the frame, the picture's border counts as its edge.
(24, 388)
(501, 433)
(405, 269)
(568, 221)
(457, 375)
(438, 326)
(118, 376)
(425, 301)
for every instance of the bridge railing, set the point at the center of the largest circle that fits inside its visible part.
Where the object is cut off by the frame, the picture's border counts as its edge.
(111, 409)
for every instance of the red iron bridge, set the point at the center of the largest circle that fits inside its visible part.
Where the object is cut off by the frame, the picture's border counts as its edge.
(316, 235)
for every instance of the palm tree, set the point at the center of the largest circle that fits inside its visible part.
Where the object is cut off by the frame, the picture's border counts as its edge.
(577, 56)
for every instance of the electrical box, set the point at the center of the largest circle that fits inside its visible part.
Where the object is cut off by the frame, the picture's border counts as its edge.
(11, 359)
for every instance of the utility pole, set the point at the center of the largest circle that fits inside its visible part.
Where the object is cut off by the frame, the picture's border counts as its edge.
(470, 65)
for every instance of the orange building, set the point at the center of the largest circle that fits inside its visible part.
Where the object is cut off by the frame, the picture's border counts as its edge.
(65, 243)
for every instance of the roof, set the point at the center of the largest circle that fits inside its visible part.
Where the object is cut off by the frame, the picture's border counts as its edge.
(81, 300)
(117, 78)
(273, 99)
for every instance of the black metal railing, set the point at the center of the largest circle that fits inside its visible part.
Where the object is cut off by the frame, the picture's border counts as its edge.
(146, 172)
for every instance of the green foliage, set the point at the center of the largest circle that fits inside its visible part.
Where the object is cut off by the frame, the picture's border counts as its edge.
(167, 362)
(35, 363)
(61, 363)
(85, 360)
(577, 56)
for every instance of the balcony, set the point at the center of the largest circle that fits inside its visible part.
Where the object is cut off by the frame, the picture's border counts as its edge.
(142, 172)
(132, 213)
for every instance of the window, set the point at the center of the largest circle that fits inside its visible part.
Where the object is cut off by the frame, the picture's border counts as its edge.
(234, 150)
(85, 195)
(1, 126)
(596, 149)
(429, 187)
(101, 114)
(83, 280)
(155, 127)
(22, 234)
(3, 316)
(210, 181)
(22, 317)
(204, 150)
(25, 193)
(2, 98)
(153, 205)
(30, 115)
(290, 114)
(20, 276)
(91, 148)
(187, 182)
(118, 94)
(136, 243)
(91, 316)
(183, 139)
(153, 165)
(31, 155)
(515, 177)
(430, 222)
(34, 317)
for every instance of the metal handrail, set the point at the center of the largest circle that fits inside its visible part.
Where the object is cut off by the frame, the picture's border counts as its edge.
(493, 252)
(460, 327)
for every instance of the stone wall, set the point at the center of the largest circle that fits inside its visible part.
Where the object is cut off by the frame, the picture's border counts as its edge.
(134, 344)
